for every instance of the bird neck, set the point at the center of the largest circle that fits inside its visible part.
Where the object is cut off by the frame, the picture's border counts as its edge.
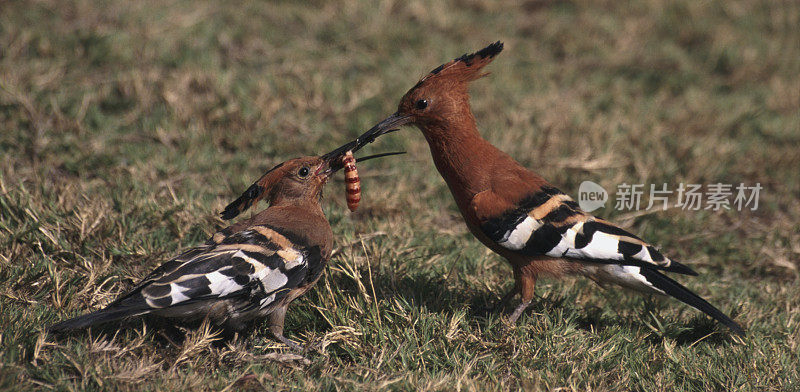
(461, 155)
(309, 205)
(299, 217)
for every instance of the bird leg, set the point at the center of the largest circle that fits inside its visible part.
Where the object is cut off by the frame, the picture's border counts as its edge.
(526, 284)
(276, 319)
(511, 293)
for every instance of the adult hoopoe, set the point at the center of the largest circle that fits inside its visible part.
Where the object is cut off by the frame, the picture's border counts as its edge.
(516, 213)
(248, 271)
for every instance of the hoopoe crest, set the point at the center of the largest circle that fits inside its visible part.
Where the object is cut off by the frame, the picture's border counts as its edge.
(517, 213)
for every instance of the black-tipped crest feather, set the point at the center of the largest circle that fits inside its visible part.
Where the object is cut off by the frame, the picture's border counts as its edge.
(489, 52)
(244, 202)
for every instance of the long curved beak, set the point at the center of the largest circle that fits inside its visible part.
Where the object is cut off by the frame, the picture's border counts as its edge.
(389, 124)
(332, 161)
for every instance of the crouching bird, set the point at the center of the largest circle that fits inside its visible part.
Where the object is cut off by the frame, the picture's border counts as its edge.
(251, 270)
(515, 212)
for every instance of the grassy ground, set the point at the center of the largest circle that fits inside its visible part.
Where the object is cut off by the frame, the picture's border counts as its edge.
(125, 127)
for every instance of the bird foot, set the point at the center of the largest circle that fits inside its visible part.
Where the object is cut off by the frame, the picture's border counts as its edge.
(518, 312)
(313, 346)
(294, 346)
(303, 351)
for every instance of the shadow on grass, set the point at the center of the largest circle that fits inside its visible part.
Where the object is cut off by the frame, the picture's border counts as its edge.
(437, 295)
(700, 329)
(433, 293)
(164, 332)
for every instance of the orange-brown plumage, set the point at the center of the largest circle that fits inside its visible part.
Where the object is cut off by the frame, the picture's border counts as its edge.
(514, 211)
(249, 271)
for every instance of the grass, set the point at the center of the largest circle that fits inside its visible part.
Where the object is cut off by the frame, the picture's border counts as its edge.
(127, 126)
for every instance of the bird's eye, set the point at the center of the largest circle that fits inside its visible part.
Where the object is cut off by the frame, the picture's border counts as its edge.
(303, 172)
(422, 104)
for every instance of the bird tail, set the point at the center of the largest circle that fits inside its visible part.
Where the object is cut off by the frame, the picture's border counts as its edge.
(675, 289)
(99, 317)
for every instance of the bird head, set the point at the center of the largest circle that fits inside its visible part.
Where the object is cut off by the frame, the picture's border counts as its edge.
(439, 95)
(296, 180)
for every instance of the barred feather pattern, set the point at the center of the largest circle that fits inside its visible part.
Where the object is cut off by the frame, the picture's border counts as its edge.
(251, 271)
(550, 223)
(514, 211)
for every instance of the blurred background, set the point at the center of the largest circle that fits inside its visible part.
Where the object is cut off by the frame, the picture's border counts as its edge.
(125, 128)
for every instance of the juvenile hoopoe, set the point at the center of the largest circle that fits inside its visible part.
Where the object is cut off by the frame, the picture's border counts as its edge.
(515, 212)
(248, 271)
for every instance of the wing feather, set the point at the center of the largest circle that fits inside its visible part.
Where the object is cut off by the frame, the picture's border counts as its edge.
(259, 266)
(549, 223)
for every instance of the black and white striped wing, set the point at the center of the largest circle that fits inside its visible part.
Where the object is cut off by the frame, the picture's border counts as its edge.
(258, 265)
(253, 269)
(550, 223)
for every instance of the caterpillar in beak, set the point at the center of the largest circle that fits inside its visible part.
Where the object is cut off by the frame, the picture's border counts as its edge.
(351, 180)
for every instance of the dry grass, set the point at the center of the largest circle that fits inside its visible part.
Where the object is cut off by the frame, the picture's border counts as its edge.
(127, 126)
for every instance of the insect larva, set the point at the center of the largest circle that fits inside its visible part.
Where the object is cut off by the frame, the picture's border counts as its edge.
(352, 182)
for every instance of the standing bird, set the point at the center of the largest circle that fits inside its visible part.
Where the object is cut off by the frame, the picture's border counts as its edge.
(515, 212)
(250, 270)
